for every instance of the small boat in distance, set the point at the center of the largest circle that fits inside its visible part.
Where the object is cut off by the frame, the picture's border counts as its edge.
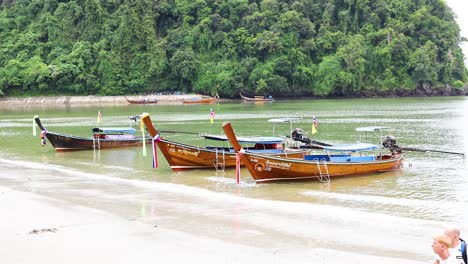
(256, 99)
(142, 101)
(183, 156)
(200, 100)
(318, 166)
(102, 138)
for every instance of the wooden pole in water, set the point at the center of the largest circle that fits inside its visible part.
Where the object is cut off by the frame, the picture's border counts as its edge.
(238, 148)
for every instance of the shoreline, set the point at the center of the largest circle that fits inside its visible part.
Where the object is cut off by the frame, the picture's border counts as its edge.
(92, 100)
(75, 100)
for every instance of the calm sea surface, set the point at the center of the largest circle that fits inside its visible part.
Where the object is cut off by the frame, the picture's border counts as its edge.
(404, 206)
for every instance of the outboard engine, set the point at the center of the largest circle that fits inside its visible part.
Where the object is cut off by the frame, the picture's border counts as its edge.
(390, 143)
(298, 135)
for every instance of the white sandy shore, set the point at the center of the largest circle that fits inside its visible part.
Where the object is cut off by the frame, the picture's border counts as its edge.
(70, 233)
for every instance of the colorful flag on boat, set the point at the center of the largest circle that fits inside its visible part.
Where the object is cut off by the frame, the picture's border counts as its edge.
(155, 150)
(314, 125)
(43, 137)
(212, 115)
(99, 117)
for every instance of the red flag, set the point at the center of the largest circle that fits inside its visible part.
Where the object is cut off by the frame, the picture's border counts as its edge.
(315, 121)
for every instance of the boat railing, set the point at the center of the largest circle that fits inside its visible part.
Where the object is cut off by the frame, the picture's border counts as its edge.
(322, 166)
(96, 142)
(220, 161)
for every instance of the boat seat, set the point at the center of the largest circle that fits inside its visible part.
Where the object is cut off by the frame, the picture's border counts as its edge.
(324, 156)
(317, 157)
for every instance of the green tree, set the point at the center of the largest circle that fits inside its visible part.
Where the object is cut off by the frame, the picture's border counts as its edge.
(423, 63)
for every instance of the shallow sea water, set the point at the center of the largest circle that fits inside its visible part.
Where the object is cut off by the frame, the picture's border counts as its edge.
(380, 214)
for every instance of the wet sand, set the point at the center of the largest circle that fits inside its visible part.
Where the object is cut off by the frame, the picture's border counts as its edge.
(37, 229)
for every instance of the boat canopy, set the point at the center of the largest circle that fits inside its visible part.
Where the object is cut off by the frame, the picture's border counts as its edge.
(289, 120)
(370, 128)
(284, 120)
(114, 130)
(257, 140)
(351, 147)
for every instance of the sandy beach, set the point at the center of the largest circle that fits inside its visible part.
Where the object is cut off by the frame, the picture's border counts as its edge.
(91, 100)
(37, 229)
(41, 230)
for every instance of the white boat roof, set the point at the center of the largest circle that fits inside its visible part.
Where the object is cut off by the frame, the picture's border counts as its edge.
(284, 120)
(370, 128)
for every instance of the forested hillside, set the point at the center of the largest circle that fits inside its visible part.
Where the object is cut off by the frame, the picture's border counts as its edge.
(280, 48)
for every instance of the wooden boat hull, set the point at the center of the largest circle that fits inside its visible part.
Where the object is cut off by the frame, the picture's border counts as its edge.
(62, 142)
(265, 169)
(144, 101)
(256, 99)
(201, 101)
(184, 157)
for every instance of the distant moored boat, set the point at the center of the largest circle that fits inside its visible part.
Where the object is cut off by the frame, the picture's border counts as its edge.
(200, 100)
(257, 98)
(142, 101)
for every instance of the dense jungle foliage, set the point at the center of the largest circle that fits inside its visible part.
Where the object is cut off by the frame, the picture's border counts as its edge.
(281, 48)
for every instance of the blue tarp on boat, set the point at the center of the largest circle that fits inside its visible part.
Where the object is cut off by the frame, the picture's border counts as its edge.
(114, 130)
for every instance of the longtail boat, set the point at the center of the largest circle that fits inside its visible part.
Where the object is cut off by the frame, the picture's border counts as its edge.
(256, 99)
(322, 166)
(142, 101)
(183, 156)
(102, 138)
(200, 100)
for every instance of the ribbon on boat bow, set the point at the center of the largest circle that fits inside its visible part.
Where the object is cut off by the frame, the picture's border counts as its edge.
(142, 127)
(43, 138)
(238, 161)
(156, 138)
(34, 125)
